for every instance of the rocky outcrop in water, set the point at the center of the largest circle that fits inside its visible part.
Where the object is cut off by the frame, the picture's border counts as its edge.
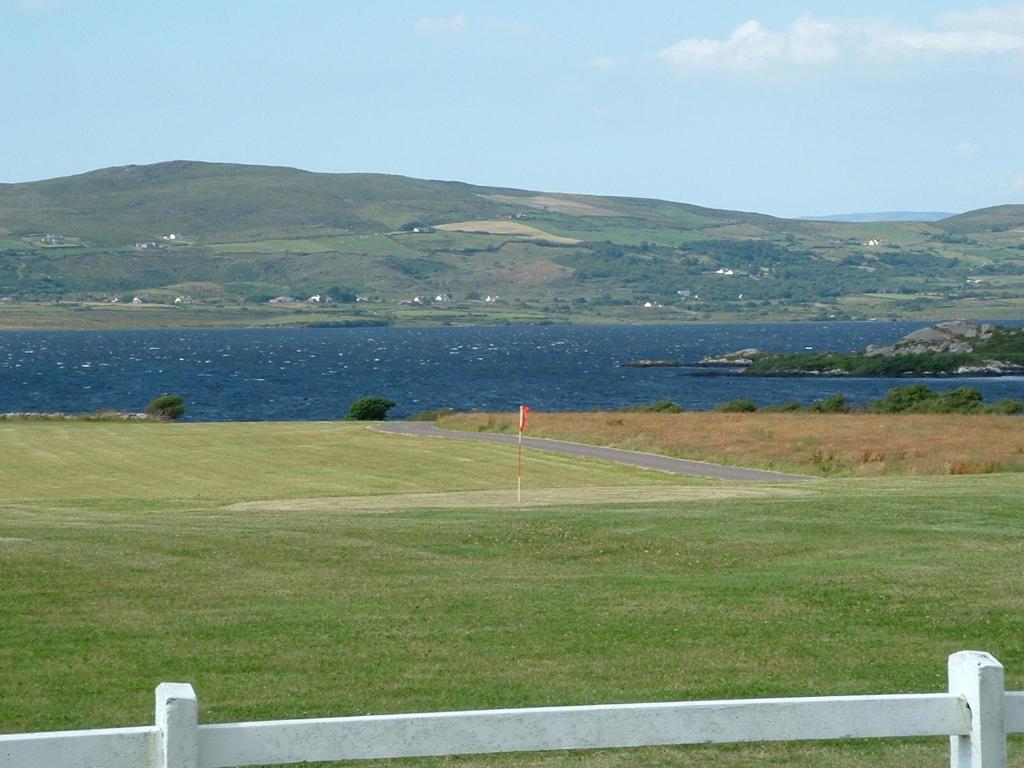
(652, 363)
(954, 348)
(737, 359)
(953, 336)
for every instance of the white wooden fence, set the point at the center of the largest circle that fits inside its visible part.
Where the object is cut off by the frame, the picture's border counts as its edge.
(975, 713)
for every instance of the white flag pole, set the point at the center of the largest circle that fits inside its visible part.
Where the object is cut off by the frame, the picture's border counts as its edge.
(519, 470)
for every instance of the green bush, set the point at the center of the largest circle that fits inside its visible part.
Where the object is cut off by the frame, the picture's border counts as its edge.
(662, 406)
(919, 398)
(736, 406)
(369, 409)
(834, 404)
(901, 399)
(790, 406)
(959, 400)
(167, 408)
(1008, 407)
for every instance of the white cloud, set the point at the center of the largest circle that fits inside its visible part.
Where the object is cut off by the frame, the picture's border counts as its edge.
(813, 41)
(965, 148)
(457, 23)
(752, 46)
(809, 41)
(748, 47)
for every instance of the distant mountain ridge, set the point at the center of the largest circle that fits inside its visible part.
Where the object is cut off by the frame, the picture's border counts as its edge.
(227, 234)
(998, 218)
(226, 201)
(865, 218)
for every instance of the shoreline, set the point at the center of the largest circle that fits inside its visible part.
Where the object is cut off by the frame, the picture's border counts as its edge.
(585, 321)
(16, 316)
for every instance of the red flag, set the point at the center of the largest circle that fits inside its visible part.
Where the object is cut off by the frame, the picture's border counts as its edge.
(523, 410)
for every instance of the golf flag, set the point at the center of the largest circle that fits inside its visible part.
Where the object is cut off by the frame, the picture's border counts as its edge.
(523, 410)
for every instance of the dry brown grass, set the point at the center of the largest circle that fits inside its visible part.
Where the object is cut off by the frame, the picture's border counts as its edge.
(856, 444)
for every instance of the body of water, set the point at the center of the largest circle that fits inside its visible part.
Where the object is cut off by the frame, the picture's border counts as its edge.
(311, 374)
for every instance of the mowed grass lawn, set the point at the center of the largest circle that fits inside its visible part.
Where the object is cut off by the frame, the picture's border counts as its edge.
(298, 570)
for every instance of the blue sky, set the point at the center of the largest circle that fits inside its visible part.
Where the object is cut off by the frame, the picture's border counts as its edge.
(784, 107)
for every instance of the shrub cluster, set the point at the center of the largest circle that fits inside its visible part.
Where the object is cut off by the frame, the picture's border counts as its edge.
(369, 409)
(662, 406)
(859, 364)
(919, 398)
(915, 398)
(736, 406)
(167, 408)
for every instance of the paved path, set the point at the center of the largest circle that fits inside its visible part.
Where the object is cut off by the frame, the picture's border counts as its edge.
(633, 458)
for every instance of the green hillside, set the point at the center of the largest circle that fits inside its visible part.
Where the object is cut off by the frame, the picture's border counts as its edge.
(998, 218)
(217, 202)
(245, 234)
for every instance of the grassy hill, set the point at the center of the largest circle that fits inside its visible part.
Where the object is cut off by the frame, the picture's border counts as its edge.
(220, 202)
(245, 234)
(998, 218)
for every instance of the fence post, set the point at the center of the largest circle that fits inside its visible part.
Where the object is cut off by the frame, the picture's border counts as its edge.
(978, 677)
(177, 719)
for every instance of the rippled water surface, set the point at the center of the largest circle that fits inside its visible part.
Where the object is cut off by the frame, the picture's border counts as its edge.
(229, 375)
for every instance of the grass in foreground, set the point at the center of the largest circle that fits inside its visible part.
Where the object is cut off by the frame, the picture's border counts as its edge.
(824, 444)
(231, 462)
(238, 557)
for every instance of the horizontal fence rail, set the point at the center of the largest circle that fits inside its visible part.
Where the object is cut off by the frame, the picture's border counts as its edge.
(594, 727)
(107, 747)
(975, 714)
(1015, 712)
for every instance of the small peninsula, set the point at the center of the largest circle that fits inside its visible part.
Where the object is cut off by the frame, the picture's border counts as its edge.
(652, 363)
(954, 348)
